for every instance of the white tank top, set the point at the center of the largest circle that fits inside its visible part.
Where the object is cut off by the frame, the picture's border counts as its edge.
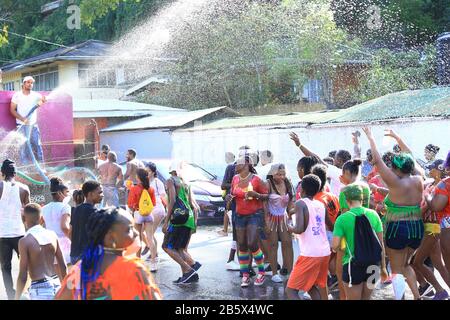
(11, 224)
(314, 241)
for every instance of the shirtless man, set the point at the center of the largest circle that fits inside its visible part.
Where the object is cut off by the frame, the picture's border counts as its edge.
(111, 178)
(38, 250)
(13, 197)
(132, 165)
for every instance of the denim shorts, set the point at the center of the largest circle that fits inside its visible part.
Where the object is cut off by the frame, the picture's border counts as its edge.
(45, 289)
(242, 221)
(402, 234)
(445, 223)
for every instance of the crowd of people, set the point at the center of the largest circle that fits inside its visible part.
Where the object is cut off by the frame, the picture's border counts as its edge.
(356, 222)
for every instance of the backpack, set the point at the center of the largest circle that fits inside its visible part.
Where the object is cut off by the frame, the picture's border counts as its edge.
(367, 245)
(145, 204)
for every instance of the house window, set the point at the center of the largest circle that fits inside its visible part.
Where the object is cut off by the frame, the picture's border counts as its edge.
(8, 86)
(312, 91)
(91, 76)
(45, 79)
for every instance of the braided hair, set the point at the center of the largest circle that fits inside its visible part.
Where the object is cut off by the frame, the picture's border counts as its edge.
(98, 225)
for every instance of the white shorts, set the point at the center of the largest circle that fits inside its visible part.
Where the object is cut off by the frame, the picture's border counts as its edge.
(138, 219)
(45, 289)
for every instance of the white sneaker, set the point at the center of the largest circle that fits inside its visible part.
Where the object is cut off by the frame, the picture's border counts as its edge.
(277, 279)
(153, 266)
(233, 266)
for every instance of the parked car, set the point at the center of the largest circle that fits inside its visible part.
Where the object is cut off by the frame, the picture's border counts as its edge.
(205, 186)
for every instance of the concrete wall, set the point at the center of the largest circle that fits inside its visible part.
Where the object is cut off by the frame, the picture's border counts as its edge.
(149, 144)
(207, 148)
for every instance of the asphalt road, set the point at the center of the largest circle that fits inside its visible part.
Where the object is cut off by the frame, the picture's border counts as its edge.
(216, 282)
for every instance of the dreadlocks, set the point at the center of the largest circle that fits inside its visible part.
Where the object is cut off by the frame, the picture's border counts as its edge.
(98, 225)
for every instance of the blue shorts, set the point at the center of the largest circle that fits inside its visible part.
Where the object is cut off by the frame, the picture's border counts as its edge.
(242, 221)
(402, 234)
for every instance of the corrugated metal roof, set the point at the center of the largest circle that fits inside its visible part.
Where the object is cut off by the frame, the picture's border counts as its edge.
(405, 104)
(92, 108)
(170, 121)
(87, 49)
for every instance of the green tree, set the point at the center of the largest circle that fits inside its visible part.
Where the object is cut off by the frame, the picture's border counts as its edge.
(252, 55)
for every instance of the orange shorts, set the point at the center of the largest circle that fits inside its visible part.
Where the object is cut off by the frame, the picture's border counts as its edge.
(309, 272)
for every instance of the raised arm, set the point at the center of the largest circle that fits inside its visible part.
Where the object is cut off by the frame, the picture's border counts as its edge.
(386, 173)
(405, 148)
(294, 137)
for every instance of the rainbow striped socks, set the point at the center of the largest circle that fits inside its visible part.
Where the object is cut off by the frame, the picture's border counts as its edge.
(259, 259)
(244, 261)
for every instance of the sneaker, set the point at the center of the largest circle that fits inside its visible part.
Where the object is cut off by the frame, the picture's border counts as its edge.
(269, 268)
(441, 295)
(185, 278)
(192, 279)
(233, 266)
(177, 281)
(260, 279)
(196, 265)
(153, 266)
(222, 233)
(145, 253)
(251, 273)
(245, 281)
(426, 291)
(332, 282)
(277, 279)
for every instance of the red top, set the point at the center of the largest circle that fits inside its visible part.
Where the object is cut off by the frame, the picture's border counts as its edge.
(376, 180)
(446, 192)
(135, 195)
(247, 207)
(372, 174)
(331, 203)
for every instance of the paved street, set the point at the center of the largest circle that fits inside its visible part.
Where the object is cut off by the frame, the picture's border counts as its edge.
(215, 282)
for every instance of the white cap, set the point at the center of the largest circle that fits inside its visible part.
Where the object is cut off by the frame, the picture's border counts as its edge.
(27, 78)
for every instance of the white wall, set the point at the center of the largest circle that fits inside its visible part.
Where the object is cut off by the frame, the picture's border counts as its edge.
(207, 148)
(153, 144)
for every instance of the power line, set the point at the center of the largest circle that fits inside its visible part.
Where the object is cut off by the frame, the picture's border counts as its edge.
(38, 40)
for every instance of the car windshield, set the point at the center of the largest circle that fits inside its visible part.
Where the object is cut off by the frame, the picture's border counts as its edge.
(191, 172)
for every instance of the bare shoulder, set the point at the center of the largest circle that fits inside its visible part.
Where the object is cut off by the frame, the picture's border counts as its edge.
(300, 204)
(23, 187)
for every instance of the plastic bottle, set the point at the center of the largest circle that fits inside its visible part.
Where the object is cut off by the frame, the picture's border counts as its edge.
(250, 188)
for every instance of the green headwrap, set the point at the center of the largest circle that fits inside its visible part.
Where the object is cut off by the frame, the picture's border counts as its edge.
(400, 159)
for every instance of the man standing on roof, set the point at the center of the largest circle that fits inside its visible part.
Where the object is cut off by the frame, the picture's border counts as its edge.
(22, 104)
